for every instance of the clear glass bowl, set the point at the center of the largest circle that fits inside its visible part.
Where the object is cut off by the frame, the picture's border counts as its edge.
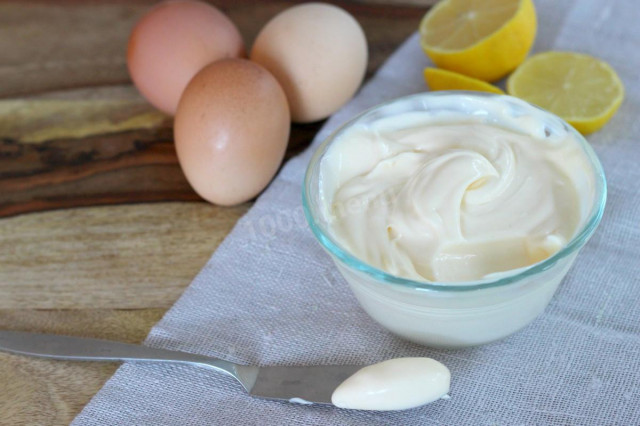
(459, 314)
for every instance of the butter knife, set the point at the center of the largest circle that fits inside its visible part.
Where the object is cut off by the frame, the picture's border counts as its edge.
(306, 385)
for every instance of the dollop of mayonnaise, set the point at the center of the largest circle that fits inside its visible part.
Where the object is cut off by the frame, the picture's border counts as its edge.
(424, 198)
(395, 384)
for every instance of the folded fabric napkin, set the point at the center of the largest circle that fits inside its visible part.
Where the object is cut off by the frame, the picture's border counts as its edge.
(270, 295)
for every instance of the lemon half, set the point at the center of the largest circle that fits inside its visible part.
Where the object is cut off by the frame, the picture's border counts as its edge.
(484, 39)
(439, 79)
(583, 90)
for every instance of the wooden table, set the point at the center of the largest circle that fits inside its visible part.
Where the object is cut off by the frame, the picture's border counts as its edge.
(100, 232)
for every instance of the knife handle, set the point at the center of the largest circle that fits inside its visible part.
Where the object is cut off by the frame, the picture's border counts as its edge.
(83, 349)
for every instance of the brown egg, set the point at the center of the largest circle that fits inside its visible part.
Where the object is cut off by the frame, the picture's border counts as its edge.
(231, 130)
(318, 53)
(174, 41)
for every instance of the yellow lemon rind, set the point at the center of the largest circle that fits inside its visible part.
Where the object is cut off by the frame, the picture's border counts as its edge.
(439, 79)
(493, 56)
(584, 125)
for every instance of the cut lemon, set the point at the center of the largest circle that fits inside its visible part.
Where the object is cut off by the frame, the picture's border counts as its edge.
(438, 79)
(583, 90)
(484, 39)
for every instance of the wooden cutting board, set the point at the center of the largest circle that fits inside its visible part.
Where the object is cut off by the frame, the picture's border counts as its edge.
(99, 230)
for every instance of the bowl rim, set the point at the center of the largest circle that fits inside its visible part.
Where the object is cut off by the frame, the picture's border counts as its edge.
(336, 250)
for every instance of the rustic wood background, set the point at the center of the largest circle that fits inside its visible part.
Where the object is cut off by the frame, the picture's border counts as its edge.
(99, 230)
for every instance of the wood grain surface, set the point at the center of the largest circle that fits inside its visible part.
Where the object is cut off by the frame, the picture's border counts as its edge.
(99, 230)
(79, 135)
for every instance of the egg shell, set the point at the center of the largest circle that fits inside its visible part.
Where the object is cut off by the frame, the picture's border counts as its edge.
(318, 53)
(174, 41)
(231, 130)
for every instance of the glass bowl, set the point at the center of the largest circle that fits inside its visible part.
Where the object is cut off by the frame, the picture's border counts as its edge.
(459, 314)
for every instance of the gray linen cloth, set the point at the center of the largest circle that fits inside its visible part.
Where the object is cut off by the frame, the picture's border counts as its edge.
(270, 296)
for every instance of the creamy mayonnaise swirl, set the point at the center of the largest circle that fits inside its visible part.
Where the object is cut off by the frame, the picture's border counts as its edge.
(453, 201)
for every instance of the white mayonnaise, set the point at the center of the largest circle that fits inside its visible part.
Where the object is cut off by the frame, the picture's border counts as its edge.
(395, 384)
(300, 401)
(423, 198)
